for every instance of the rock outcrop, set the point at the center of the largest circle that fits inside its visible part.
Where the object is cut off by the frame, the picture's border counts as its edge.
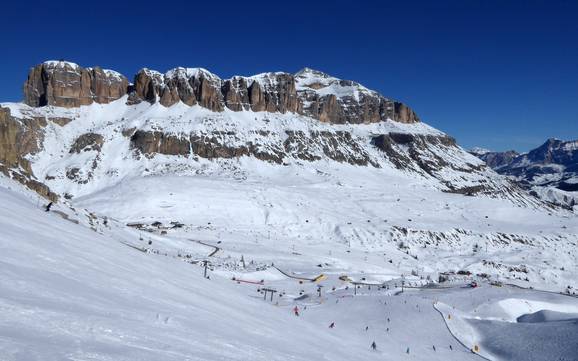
(339, 146)
(188, 85)
(406, 150)
(147, 86)
(236, 94)
(18, 139)
(339, 101)
(308, 92)
(68, 85)
(87, 142)
(435, 156)
(274, 92)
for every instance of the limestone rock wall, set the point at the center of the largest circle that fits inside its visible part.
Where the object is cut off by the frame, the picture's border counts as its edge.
(19, 138)
(339, 146)
(308, 92)
(68, 85)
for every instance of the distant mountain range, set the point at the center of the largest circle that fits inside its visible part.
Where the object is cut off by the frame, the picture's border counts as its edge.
(550, 171)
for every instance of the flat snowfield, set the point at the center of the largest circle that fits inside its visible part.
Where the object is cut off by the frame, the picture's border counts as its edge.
(69, 292)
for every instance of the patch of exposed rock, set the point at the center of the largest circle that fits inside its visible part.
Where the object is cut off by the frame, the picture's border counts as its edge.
(308, 92)
(87, 142)
(19, 138)
(407, 150)
(68, 85)
(433, 156)
(340, 101)
(309, 146)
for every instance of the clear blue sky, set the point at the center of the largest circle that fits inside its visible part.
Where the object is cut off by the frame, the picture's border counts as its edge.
(499, 74)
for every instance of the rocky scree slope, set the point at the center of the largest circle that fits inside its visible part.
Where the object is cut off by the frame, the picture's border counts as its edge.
(88, 128)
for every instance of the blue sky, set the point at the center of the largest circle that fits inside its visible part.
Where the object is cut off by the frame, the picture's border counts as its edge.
(498, 74)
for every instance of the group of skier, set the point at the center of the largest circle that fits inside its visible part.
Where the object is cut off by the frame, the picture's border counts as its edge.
(373, 345)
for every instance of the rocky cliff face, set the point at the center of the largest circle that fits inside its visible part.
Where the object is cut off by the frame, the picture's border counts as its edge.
(296, 118)
(18, 139)
(272, 92)
(339, 101)
(68, 85)
(308, 92)
(276, 148)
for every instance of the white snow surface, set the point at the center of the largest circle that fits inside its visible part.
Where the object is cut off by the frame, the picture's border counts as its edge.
(79, 283)
(479, 150)
(68, 292)
(61, 64)
(323, 84)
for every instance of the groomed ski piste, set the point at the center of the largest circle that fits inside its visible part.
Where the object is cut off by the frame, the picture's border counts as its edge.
(75, 286)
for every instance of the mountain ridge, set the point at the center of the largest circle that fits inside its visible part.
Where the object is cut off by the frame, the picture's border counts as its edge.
(549, 170)
(66, 84)
(89, 133)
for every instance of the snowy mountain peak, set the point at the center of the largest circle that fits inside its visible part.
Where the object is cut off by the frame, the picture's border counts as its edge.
(187, 73)
(61, 64)
(150, 72)
(309, 72)
(324, 84)
(479, 151)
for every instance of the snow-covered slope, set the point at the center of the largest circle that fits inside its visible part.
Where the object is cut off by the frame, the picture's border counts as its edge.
(71, 292)
(550, 171)
(99, 145)
(67, 292)
(381, 186)
(283, 181)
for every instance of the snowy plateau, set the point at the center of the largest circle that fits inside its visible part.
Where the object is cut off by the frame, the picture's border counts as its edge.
(264, 224)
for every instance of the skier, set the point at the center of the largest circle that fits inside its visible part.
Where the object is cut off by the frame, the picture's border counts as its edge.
(373, 346)
(296, 311)
(366, 328)
(451, 348)
(332, 325)
(434, 347)
(48, 207)
(407, 351)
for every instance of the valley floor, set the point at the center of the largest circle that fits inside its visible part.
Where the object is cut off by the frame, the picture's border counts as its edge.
(69, 292)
